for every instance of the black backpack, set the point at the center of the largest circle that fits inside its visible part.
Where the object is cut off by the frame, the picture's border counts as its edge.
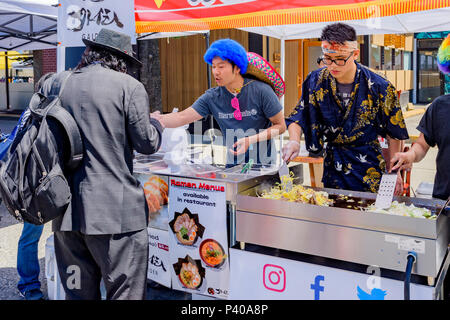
(32, 183)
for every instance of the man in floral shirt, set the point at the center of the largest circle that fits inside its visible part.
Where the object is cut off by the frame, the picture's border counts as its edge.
(345, 106)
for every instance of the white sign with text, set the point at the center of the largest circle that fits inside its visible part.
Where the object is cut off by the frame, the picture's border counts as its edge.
(158, 257)
(198, 237)
(83, 19)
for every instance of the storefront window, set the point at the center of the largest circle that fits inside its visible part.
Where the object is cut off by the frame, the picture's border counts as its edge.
(375, 57)
(407, 60)
(398, 60)
(429, 77)
(387, 59)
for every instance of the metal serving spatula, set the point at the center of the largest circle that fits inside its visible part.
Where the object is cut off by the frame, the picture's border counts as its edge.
(386, 191)
(283, 171)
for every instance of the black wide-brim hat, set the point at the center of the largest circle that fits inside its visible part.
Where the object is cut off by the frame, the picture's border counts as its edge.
(114, 41)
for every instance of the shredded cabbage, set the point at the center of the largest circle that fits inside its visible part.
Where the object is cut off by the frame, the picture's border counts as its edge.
(401, 209)
(298, 193)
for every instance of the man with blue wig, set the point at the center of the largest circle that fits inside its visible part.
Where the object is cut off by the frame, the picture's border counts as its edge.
(247, 110)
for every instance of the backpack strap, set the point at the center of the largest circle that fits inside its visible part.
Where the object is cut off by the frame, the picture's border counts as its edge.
(73, 133)
(70, 127)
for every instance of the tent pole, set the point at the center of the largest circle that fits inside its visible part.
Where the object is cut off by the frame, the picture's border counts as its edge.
(208, 67)
(7, 80)
(60, 58)
(208, 77)
(282, 65)
(282, 73)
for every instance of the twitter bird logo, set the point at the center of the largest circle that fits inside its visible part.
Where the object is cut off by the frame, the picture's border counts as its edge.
(375, 294)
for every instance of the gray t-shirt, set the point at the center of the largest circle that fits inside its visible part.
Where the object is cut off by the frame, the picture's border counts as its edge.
(344, 92)
(434, 126)
(257, 103)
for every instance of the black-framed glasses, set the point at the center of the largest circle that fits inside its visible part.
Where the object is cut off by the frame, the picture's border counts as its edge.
(338, 62)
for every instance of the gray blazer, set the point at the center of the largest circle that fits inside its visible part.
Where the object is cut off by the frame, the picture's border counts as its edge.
(113, 114)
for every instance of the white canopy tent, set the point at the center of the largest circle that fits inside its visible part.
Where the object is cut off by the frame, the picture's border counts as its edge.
(28, 24)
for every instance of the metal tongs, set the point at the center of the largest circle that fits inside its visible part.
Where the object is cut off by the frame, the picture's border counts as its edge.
(444, 206)
(283, 171)
(247, 166)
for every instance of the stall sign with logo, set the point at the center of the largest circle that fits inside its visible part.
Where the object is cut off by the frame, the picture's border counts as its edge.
(199, 260)
(257, 276)
(83, 19)
(158, 257)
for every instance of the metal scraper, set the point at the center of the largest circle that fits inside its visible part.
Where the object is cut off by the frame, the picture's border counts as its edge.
(283, 171)
(386, 191)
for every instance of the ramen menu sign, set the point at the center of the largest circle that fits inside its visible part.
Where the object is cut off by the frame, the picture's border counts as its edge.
(83, 19)
(199, 260)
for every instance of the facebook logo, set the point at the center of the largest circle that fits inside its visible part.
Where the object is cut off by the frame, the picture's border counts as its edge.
(317, 287)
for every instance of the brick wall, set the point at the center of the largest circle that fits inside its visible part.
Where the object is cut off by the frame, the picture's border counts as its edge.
(49, 60)
(44, 61)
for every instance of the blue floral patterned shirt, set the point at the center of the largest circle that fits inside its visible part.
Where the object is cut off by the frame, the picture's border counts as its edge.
(353, 158)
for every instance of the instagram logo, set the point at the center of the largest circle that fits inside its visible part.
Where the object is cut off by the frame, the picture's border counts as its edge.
(274, 278)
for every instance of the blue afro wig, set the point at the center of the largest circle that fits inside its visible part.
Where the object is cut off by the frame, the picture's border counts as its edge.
(228, 49)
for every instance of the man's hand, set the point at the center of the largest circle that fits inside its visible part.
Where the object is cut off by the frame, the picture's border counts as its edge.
(399, 185)
(158, 116)
(402, 160)
(241, 146)
(290, 150)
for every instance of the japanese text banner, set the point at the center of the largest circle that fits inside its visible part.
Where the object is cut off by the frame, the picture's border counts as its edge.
(83, 19)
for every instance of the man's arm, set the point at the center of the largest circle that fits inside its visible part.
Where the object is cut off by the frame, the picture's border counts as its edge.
(177, 119)
(144, 133)
(416, 153)
(278, 127)
(292, 148)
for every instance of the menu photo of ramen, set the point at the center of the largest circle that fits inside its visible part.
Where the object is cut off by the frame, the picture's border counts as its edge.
(212, 253)
(190, 273)
(186, 227)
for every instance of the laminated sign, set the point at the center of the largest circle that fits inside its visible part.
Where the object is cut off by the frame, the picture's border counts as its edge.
(158, 258)
(199, 260)
(83, 19)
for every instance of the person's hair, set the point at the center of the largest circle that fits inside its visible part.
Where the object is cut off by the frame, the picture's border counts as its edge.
(41, 80)
(338, 32)
(319, 60)
(228, 49)
(104, 57)
(232, 64)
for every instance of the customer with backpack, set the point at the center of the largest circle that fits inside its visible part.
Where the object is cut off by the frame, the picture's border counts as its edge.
(103, 234)
(27, 254)
(27, 250)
